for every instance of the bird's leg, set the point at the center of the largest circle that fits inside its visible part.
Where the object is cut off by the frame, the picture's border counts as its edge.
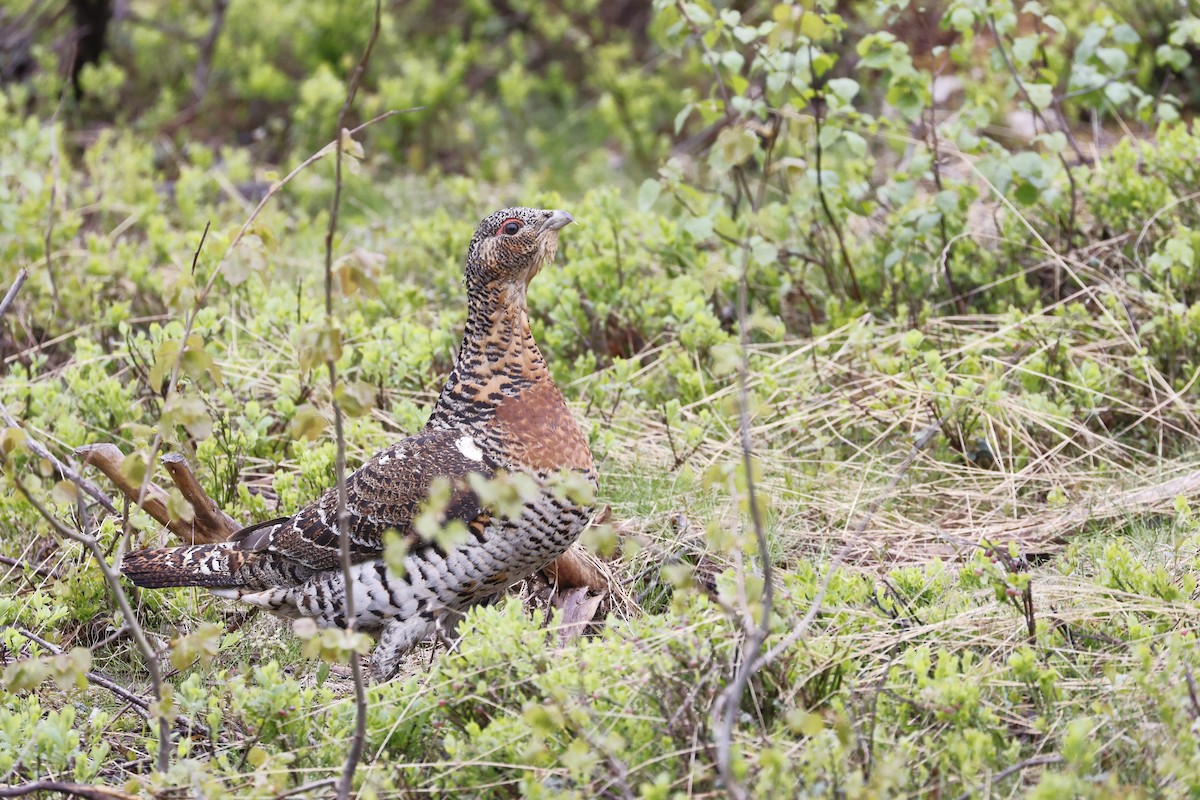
(445, 628)
(398, 637)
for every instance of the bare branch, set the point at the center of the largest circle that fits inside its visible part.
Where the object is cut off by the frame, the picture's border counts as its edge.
(1036, 761)
(354, 753)
(70, 789)
(728, 705)
(306, 787)
(11, 294)
(207, 47)
(62, 468)
(139, 703)
(210, 523)
(135, 629)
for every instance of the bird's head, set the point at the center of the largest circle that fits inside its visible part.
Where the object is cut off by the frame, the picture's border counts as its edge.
(511, 245)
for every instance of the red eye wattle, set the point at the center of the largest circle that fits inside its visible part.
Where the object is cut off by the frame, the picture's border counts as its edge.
(510, 227)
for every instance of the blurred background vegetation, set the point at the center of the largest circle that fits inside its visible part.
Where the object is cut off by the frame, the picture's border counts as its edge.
(967, 238)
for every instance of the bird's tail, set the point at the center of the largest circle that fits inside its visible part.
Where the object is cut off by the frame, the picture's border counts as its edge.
(211, 565)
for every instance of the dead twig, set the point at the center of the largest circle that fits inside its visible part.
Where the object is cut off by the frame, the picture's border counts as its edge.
(210, 521)
(207, 47)
(210, 524)
(1036, 761)
(305, 787)
(140, 704)
(50, 574)
(62, 468)
(113, 578)
(728, 706)
(69, 789)
(11, 294)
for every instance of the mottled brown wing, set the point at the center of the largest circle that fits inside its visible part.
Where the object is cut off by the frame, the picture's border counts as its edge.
(385, 493)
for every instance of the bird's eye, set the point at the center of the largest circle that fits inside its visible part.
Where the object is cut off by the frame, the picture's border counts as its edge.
(510, 227)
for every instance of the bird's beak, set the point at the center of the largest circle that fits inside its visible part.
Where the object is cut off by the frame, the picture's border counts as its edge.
(558, 220)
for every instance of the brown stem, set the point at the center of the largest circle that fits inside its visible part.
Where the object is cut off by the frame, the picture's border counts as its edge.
(354, 752)
(113, 578)
(70, 789)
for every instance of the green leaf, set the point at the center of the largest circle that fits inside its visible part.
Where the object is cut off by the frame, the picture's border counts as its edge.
(812, 25)
(648, 194)
(318, 344)
(601, 540)
(735, 145)
(308, 423)
(189, 412)
(1040, 94)
(845, 89)
(178, 507)
(356, 398)
(395, 550)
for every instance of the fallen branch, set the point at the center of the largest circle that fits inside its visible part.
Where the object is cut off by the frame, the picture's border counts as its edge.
(11, 294)
(1053, 528)
(209, 519)
(208, 525)
(108, 459)
(70, 789)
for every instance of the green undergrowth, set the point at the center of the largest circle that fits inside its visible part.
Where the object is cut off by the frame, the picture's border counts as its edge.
(968, 374)
(926, 680)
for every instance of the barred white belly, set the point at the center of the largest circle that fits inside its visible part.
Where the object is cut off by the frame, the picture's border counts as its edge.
(434, 588)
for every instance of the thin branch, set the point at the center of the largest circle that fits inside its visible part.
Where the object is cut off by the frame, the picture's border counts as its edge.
(947, 242)
(207, 47)
(113, 578)
(70, 789)
(174, 379)
(42, 571)
(1012, 69)
(354, 753)
(11, 294)
(140, 704)
(728, 706)
(306, 787)
(1036, 761)
(52, 214)
(855, 291)
(62, 468)
(202, 296)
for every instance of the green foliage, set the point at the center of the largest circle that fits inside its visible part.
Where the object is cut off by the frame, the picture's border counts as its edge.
(972, 308)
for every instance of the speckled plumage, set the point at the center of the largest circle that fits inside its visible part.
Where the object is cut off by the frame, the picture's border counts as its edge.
(498, 412)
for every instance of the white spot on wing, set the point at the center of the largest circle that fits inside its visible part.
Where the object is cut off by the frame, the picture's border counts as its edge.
(466, 445)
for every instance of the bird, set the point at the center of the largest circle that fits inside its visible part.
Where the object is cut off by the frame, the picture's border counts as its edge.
(499, 414)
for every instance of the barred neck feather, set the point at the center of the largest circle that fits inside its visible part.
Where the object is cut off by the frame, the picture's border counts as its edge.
(497, 359)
